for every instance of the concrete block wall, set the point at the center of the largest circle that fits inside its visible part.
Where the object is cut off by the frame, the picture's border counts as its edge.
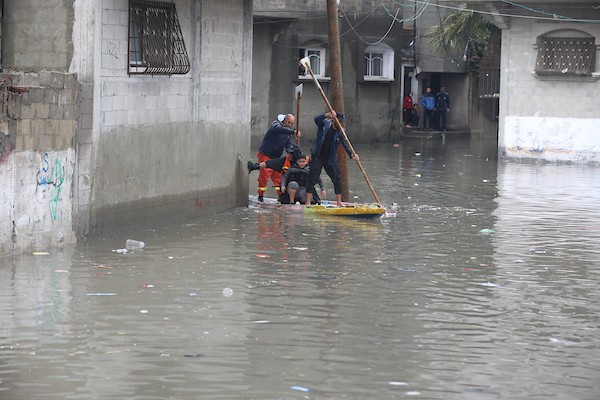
(550, 119)
(37, 168)
(171, 143)
(37, 34)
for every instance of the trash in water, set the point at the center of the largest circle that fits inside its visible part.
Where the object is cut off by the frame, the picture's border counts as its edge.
(193, 355)
(301, 389)
(131, 244)
(263, 256)
(120, 251)
(324, 277)
(143, 311)
(227, 292)
(40, 253)
(490, 284)
(486, 231)
(101, 294)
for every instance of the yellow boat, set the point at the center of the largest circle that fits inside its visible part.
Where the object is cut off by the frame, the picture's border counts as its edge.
(348, 210)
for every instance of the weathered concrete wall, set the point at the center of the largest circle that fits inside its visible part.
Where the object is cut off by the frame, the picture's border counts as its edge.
(172, 146)
(37, 35)
(37, 160)
(84, 146)
(552, 120)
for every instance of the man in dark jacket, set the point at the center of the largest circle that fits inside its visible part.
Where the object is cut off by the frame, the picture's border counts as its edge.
(277, 139)
(324, 154)
(442, 106)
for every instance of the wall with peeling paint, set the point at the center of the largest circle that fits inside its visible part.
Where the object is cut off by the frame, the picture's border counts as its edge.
(554, 119)
(86, 147)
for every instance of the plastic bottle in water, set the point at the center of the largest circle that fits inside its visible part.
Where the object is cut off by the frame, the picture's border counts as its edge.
(131, 244)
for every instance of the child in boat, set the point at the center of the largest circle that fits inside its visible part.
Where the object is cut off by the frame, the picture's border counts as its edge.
(294, 183)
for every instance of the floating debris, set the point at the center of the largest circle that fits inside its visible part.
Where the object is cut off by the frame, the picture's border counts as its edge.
(101, 294)
(324, 277)
(300, 389)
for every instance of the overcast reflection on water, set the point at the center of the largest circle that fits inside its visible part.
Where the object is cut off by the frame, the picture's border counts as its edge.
(484, 286)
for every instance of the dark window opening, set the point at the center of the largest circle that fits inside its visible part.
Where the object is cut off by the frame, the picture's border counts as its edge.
(155, 40)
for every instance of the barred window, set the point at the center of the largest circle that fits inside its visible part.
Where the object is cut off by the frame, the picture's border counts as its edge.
(156, 43)
(489, 83)
(566, 56)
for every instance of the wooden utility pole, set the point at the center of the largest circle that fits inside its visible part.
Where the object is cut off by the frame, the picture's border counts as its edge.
(336, 94)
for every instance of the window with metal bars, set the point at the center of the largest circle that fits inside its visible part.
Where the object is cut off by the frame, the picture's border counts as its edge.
(156, 43)
(570, 56)
(489, 83)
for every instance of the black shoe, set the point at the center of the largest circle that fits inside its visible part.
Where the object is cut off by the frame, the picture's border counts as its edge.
(252, 166)
(261, 199)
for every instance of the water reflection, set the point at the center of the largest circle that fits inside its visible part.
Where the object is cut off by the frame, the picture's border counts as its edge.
(482, 287)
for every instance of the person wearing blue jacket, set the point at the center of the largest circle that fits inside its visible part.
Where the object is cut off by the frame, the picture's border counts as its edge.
(428, 103)
(277, 139)
(324, 154)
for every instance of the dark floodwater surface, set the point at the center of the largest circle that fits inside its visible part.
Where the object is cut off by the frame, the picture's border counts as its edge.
(485, 286)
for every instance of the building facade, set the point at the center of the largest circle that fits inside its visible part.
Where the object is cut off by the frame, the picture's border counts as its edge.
(118, 112)
(549, 79)
(374, 44)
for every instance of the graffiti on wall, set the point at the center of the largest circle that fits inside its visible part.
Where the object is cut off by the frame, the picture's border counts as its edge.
(552, 139)
(50, 178)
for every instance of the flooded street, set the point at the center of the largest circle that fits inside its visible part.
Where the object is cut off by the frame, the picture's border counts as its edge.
(486, 285)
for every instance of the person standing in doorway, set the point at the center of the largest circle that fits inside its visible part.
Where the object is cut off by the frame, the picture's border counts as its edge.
(442, 105)
(428, 103)
(408, 110)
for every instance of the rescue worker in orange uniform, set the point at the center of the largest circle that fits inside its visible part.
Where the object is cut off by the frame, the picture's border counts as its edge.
(277, 139)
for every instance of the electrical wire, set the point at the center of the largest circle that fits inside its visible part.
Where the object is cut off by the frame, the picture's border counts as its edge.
(591, 21)
(363, 40)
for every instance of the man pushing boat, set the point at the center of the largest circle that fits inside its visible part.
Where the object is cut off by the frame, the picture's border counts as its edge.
(324, 153)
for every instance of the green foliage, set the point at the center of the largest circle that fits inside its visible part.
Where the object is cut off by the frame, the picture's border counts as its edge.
(457, 29)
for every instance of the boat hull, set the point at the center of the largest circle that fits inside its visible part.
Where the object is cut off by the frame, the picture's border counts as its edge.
(348, 210)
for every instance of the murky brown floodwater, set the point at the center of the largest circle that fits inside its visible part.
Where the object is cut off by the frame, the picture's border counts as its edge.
(485, 286)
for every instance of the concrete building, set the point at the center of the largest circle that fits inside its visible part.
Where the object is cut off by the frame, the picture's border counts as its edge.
(549, 78)
(374, 46)
(118, 112)
(435, 69)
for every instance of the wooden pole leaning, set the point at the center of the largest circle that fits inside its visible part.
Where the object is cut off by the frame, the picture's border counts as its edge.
(305, 62)
(298, 92)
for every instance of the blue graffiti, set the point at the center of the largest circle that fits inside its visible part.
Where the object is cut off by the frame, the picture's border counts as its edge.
(52, 175)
